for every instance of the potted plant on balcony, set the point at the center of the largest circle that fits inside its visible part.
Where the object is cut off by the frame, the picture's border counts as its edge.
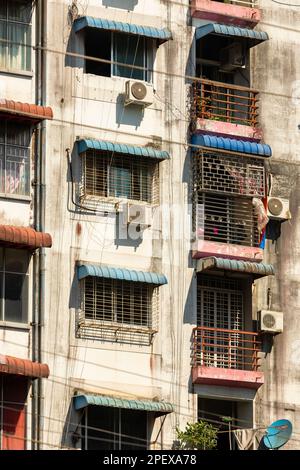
(197, 436)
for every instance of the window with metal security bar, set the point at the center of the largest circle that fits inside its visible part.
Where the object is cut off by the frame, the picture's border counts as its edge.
(225, 219)
(15, 33)
(220, 306)
(227, 173)
(15, 141)
(116, 310)
(115, 176)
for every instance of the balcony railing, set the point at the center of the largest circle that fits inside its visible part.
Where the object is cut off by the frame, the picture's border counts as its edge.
(224, 102)
(226, 349)
(242, 3)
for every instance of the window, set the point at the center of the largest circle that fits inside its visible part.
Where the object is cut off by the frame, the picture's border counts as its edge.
(15, 33)
(119, 176)
(117, 47)
(116, 310)
(13, 396)
(220, 305)
(114, 429)
(229, 173)
(225, 219)
(14, 285)
(14, 158)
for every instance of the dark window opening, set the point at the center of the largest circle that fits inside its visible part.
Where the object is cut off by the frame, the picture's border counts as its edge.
(98, 45)
(120, 48)
(114, 429)
(14, 285)
(222, 59)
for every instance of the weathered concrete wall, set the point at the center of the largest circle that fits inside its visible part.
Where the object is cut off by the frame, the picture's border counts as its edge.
(86, 105)
(276, 72)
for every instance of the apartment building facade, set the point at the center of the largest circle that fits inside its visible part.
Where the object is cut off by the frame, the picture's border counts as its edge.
(138, 242)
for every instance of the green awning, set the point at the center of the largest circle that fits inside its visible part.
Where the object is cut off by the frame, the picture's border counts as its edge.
(122, 274)
(160, 407)
(247, 267)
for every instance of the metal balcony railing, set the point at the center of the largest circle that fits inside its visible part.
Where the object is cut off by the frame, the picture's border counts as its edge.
(224, 102)
(226, 349)
(242, 3)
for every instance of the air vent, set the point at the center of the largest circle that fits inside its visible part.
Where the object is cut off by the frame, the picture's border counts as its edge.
(138, 90)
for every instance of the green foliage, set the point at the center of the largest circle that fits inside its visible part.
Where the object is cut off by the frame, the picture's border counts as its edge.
(197, 436)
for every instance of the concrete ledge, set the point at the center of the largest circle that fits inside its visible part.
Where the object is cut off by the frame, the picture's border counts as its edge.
(227, 377)
(225, 13)
(204, 248)
(228, 129)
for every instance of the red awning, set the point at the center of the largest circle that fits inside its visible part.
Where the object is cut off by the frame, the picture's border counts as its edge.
(16, 366)
(24, 237)
(26, 110)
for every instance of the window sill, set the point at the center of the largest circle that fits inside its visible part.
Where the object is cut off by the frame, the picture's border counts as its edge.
(14, 325)
(17, 73)
(114, 204)
(15, 197)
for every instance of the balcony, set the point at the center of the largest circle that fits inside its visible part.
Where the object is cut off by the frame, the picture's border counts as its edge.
(225, 227)
(225, 109)
(235, 12)
(226, 358)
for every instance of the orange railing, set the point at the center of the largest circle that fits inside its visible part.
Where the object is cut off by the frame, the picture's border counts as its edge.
(227, 349)
(224, 102)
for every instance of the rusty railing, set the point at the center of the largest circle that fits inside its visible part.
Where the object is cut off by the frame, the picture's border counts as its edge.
(226, 349)
(224, 102)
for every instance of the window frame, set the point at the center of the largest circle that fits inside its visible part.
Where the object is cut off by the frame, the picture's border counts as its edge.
(112, 330)
(27, 165)
(25, 277)
(109, 161)
(27, 45)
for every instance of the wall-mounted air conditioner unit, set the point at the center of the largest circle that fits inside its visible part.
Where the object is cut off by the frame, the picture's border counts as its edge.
(139, 93)
(270, 321)
(232, 57)
(136, 214)
(278, 208)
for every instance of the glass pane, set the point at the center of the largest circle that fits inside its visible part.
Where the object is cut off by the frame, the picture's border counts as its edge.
(2, 169)
(16, 298)
(3, 9)
(1, 258)
(120, 182)
(19, 52)
(20, 10)
(1, 297)
(17, 161)
(129, 50)
(16, 261)
(3, 44)
(102, 429)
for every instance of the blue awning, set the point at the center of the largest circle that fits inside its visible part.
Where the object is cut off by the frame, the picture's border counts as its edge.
(162, 35)
(253, 37)
(108, 272)
(233, 145)
(256, 269)
(91, 144)
(160, 407)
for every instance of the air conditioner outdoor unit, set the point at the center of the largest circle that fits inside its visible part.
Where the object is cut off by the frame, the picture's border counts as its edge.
(232, 57)
(139, 93)
(278, 208)
(137, 214)
(270, 321)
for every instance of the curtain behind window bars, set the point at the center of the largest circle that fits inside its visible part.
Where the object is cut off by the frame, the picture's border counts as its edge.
(14, 158)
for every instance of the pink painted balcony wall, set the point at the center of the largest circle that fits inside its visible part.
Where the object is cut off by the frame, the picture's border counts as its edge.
(224, 109)
(233, 12)
(225, 357)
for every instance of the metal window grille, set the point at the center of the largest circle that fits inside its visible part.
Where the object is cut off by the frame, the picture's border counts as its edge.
(220, 304)
(116, 310)
(225, 219)
(228, 173)
(107, 175)
(14, 158)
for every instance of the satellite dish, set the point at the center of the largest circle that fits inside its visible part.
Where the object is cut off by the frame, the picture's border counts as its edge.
(278, 434)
